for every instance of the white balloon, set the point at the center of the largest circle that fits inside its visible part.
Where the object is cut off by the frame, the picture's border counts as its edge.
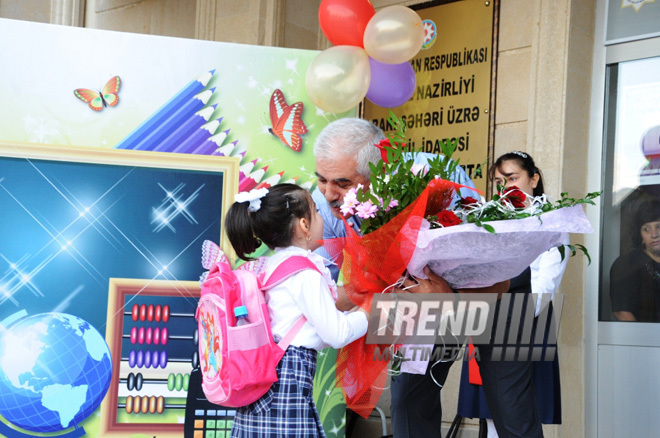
(338, 78)
(394, 35)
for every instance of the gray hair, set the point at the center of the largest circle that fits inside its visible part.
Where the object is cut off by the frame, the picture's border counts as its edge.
(350, 137)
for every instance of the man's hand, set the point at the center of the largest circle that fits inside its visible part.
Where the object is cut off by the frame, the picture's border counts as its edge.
(433, 285)
(437, 284)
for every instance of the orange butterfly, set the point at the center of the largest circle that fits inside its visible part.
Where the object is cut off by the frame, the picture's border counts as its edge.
(99, 100)
(287, 120)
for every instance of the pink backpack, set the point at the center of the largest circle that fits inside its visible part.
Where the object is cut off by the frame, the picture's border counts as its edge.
(238, 363)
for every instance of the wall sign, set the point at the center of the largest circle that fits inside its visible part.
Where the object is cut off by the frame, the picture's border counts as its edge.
(452, 99)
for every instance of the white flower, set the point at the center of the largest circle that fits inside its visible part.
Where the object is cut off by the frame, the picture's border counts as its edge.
(253, 197)
(419, 169)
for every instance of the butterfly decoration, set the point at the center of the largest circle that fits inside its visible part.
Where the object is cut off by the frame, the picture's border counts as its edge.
(212, 254)
(99, 100)
(286, 120)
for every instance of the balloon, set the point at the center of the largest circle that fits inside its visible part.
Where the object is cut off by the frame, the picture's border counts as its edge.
(391, 84)
(338, 78)
(394, 35)
(343, 21)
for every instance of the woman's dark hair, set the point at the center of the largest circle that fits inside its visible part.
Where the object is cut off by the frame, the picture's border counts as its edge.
(526, 162)
(272, 224)
(649, 211)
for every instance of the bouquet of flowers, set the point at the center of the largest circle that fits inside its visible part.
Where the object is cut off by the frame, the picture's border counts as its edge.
(415, 215)
(510, 231)
(412, 217)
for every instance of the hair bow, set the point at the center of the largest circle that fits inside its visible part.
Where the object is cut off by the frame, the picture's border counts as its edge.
(253, 197)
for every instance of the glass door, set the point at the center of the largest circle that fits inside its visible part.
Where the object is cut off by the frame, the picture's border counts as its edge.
(630, 270)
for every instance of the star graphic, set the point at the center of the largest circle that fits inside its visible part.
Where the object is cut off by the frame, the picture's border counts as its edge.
(636, 4)
(292, 64)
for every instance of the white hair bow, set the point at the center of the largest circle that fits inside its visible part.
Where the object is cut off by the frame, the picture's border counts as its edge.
(253, 197)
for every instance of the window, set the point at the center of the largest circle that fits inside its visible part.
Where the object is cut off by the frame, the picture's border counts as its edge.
(630, 271)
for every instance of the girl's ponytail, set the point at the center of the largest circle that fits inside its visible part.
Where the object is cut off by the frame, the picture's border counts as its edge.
(271, 222)
(238, 225)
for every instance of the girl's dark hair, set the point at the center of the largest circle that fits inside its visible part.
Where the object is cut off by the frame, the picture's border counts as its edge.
(649, 211)
(526, 162)
(272, 224)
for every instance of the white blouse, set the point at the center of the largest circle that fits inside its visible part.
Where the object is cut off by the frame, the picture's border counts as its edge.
(310, 294)
(547, 271)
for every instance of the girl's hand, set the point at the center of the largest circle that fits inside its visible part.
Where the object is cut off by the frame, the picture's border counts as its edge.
(343, 303)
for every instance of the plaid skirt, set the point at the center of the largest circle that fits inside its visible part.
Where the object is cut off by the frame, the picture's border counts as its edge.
(287, 409)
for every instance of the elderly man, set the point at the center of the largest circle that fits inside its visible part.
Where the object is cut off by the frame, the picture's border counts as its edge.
(343, 151)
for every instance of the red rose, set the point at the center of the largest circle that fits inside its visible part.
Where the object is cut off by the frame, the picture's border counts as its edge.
(467, 201)
(514, 196)
(448, 219)
(384, 145)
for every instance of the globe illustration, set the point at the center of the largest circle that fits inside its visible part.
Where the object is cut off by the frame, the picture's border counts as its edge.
(54, 371)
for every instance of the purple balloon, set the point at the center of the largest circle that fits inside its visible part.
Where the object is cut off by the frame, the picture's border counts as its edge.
(391, 84)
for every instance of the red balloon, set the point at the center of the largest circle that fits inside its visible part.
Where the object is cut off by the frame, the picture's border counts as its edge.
(343, 21)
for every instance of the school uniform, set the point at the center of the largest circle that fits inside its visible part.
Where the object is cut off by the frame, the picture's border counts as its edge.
(288, 408)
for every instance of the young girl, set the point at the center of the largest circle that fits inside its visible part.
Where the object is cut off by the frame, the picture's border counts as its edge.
(518, 169)
(285, 218)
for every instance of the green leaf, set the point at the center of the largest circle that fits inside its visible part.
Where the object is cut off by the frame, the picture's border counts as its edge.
(562, 252)
(572, 249)
(489, 228)
(586, 253)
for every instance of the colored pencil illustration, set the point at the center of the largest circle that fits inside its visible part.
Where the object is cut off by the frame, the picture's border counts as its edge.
(252, 180)
(212, 144)
(293, 180)
(191, 143)
(246, 168)
(227, 150)
(270, 181)
(179, 116)
(190, 91)
(183, 131)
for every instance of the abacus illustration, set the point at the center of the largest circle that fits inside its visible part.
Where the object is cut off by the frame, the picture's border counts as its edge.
(152, 335)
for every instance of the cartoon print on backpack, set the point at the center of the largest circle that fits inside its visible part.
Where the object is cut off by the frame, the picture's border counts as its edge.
(211, 351)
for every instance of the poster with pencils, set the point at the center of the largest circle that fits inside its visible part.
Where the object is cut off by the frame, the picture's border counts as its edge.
(119, 154)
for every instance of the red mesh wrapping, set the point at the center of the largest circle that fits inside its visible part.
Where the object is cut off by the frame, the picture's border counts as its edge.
(371, 264)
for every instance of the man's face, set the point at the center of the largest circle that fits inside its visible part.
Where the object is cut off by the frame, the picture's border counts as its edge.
(335, 179)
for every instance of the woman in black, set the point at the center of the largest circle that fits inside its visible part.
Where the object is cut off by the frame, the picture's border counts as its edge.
(635, 276)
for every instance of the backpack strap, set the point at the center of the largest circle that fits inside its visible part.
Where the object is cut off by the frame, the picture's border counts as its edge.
(284, 270)
(293, 331)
